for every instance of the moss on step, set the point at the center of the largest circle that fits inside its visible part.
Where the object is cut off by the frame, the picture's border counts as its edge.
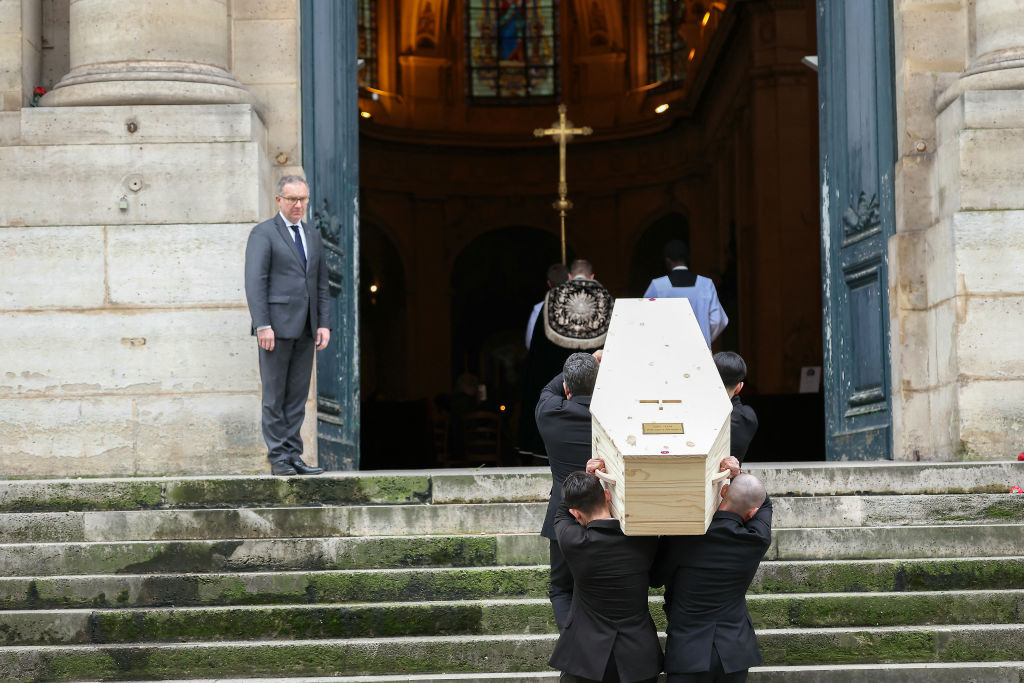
(268, 588)
(889, 575)
(327, 659)
(865, 609)
(257, 492)
(453, 584)
(65, 496)
(846, 647)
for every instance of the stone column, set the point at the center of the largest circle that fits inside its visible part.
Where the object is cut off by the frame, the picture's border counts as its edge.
(996, 51)
(972, 271)
(147, 52)
(998, 35)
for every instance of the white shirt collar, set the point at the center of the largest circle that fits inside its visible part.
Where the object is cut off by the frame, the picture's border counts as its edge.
(287, 223)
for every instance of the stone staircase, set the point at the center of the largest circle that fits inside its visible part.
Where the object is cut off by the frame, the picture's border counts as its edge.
(877, 572)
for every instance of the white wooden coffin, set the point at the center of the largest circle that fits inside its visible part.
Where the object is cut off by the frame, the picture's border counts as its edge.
(660, 419)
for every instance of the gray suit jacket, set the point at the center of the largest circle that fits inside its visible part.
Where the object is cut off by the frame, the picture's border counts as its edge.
(277, 289)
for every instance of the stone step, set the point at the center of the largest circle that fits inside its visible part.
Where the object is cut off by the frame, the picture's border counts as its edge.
(887, 575)
(473, 583)
(895, 542)
(523, 484)
(376, 552)
(334, 488)
(927, 672)
(456, 518)
(281, 522)
(491, 654)
(975, 672)
(525, 677)
(235, 555)
(478, 617)
(894, 478)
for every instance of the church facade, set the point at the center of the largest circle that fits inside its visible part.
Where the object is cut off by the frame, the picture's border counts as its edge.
(850, 178)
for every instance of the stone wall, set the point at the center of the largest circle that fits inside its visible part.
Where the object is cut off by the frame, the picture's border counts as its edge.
(125, 345)
(957, 259)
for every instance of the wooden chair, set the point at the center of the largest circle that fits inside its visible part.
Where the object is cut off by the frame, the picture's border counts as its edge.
(482, 434)
(441, 425)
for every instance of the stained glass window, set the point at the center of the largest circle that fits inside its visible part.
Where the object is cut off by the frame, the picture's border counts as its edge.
(512, 49)
(368, 43)
(667, 48)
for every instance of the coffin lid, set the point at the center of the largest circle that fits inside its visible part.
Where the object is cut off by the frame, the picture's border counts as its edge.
(657, 370)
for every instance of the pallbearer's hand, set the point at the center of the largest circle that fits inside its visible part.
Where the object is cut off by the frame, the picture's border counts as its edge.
(595, 465)
(730, 463)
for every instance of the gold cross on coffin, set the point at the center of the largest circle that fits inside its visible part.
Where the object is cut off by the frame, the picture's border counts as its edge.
(562, 131)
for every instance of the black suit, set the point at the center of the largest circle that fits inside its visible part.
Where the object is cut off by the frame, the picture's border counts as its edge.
(609, 626)
(293, 299)
(564, 425)
(743, 426)
(543, 359)
(706, 580)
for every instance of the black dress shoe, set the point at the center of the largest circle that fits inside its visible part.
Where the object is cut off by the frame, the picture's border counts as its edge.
(282, 469)
(302, 468)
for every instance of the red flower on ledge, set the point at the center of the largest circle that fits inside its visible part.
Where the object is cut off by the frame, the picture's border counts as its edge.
(37, 94)
(1016, 489)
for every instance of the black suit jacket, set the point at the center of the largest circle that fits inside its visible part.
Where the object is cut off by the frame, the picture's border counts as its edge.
(706, 580)
(743, 426)
(279, 291)
(609, 613)
(542, 360)
(564, 424)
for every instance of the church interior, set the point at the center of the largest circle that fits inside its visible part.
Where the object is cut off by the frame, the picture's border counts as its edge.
(704, 128)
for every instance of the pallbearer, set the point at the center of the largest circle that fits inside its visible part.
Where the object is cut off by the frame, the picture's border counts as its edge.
(660, 419)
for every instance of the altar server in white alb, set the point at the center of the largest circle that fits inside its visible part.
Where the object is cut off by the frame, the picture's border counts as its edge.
(681, 283)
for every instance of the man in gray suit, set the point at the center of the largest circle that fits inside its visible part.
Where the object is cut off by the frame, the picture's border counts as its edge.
(286, 288)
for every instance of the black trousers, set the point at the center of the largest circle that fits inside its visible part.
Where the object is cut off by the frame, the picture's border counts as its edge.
(611, 675)
(560, 590)
(285, 373)
(716, 674)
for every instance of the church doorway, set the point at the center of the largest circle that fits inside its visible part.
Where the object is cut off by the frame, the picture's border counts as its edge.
(721, 152)
(383, 333)
(648, 261)
(495, 282)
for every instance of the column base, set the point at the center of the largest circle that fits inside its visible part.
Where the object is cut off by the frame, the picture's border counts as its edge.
(1000, 71)
(119, 83)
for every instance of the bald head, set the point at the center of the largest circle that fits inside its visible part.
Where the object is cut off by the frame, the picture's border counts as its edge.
(744, 496)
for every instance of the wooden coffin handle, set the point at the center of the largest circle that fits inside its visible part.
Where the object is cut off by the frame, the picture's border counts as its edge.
(720, 476)
(605, 478)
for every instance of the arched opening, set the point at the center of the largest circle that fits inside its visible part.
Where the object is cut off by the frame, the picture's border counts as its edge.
(384, 344)
(648, 260)
(496, 281)
(382, 311)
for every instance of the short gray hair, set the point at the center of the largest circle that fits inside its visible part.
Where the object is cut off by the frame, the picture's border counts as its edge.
(580, 374)
(745, 492)
(287, 180)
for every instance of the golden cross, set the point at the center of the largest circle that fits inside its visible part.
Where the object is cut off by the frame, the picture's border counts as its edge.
(562, 132)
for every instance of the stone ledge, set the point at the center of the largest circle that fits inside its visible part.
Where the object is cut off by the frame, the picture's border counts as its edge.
(523, 484)
(350, 519)
(468, 550)
(514, 615)
(154, 124)
(467, 583)
(466, 654)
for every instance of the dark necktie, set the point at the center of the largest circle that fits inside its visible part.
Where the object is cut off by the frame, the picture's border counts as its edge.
(298, 245)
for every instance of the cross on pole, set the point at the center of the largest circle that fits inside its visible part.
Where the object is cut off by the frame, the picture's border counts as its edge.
(562, 131)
